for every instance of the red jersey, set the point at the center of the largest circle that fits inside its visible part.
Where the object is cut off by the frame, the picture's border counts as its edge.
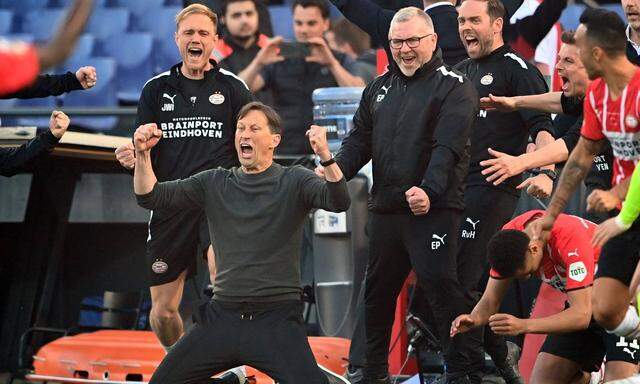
(617, 120)
(568, 260)
(19, 66)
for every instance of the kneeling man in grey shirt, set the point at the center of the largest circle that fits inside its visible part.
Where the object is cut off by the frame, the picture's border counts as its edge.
(255, 214)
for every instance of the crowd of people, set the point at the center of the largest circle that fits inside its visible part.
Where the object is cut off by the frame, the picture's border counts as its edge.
(451, 127)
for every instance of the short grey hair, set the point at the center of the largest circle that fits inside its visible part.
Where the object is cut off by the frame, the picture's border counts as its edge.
(408, 13)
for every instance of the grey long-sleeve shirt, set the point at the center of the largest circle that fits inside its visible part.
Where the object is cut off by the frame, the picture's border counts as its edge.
(255, 222)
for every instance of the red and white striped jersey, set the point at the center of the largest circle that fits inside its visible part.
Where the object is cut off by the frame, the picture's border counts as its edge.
(618, 121)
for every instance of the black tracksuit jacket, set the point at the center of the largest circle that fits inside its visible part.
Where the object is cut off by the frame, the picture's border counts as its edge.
(416, 130)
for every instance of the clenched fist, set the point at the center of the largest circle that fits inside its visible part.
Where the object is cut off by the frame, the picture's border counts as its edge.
(126, 156)
(146, 137)
(58, 123)
(87, 77)
(418, 201)
(318, 140)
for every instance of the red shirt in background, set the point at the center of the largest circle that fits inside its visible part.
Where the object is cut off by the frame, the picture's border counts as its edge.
(19, 66)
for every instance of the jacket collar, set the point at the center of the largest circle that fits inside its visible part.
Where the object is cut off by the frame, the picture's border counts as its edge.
(176, 76)
(496, 53)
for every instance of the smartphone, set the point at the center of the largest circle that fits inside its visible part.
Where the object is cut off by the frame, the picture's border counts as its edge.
(294, 50)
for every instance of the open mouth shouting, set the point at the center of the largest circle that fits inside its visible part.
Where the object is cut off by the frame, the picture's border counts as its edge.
(408, 59)
(471, 41)
(194, 52)
(566, 83)
(246, 150)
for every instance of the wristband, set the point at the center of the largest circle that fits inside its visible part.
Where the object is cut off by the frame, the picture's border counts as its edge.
(327, 163)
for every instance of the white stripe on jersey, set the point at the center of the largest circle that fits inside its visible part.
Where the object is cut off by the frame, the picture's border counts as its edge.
(516, 58)
(155, 77)
(229, 73)
(449, 73)
(149, 226)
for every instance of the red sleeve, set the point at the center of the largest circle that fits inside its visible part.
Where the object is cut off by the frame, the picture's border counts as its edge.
(573, 245)
(19, 66)
(591, 127)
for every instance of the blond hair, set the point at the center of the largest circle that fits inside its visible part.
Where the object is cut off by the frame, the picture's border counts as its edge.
(197, 9)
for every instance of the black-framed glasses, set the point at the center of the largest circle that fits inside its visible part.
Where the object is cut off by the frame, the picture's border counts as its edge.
(412, 42)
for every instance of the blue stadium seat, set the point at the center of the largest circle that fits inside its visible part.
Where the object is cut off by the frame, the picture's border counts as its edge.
(6, 21)
(7, 121)
(138, 9)
(22, 6)
(132, 52)
(83, 50)
(66, 3)
(26, 37)
(104, 94)
(48, 102)
(173, 3)
(42, 23)
(570, 18)
(617, 8)
(282, 21)
(160, 22)
(106, 22)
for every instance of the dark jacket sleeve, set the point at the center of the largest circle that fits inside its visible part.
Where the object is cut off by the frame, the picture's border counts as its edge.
(529, 81)
(177, 194)
(535, 27)
(12, 160)
(572, 135)
(369, 16)
(318, 193)
(572, 105)
(47, 85)
(453, 129)
(356, 149)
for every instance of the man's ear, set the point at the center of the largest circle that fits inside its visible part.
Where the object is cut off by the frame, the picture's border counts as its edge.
(497, 25)
(275, 140)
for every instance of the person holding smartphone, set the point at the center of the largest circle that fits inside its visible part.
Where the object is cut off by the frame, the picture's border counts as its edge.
(292, 71)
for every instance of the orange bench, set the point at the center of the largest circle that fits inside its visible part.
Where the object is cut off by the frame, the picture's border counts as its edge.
(114, 356)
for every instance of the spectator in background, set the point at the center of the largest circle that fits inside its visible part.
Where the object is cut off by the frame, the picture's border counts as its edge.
(293, 79)
(217, 6)
(632, 11)
(242, 40)
(20, 62)
(347, 38)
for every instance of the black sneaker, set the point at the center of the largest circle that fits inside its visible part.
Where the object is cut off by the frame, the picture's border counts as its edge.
(508, 369)
(355, 375)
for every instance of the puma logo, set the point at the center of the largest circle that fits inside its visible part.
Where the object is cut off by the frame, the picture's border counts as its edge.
(379, 98)
(169, 97)
(473, 224)
(573, 253)
(630, 352)
(439, 241)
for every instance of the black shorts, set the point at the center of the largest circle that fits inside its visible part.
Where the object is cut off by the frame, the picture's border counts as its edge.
(589, 347)
(175, 240)
(620, 255)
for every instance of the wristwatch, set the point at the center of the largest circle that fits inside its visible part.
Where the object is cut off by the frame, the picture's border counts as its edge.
(328, 162)
(537, 171)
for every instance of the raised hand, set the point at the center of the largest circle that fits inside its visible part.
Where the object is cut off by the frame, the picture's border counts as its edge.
(146, 137)
(58, 123)
(126, 156)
